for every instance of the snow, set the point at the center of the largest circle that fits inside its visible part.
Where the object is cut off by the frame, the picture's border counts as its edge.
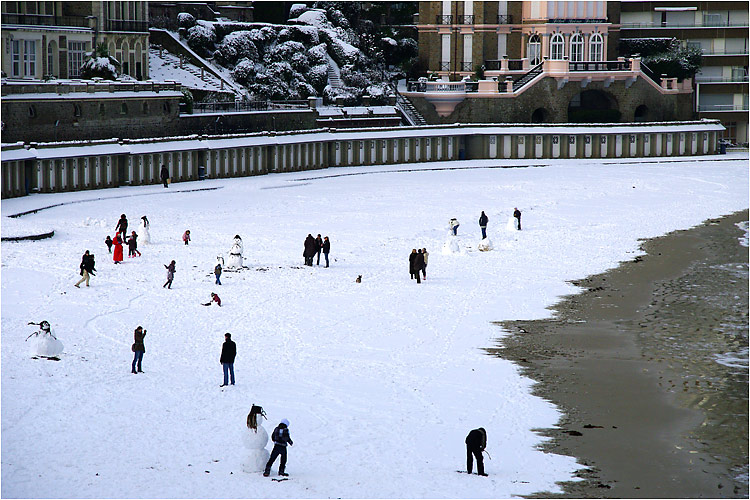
(381, 380)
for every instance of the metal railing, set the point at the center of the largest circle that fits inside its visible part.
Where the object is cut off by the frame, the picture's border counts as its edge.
(467, 66)
(702, 24)
(238, 106)
(125, 25)
(444, 19)
(576, 21)
(445, 66)
(600, 66)
(723, 107)
(533, 73)
(44, 20)
(649, 73)
(504, 19)
(496, 64)
(450, 19)
(720, 79)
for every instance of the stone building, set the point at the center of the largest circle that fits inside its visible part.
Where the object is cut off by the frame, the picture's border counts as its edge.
(41, 40)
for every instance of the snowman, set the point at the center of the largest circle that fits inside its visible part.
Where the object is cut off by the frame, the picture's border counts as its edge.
(255, 439)
(485, 245)
(512, 224)
(143, 237)
(235, 254)
(43, 343)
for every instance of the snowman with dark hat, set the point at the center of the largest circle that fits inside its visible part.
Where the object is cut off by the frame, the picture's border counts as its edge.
(235, 259)
(255, 439)
(43, 343)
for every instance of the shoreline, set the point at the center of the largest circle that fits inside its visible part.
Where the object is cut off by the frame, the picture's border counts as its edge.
(646, 418)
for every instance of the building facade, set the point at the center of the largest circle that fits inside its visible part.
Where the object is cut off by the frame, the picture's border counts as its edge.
(720, 30)
(42, 40)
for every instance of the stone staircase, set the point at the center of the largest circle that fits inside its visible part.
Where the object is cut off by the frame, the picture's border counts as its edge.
(408, 111)
(334, 74)
(192, 76)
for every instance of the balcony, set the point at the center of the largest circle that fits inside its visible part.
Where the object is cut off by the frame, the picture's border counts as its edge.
(126, 25)
(450, 20)
(576, 21)
(44, 20)
(600, 66)
(504, 19)
(722, 107)
(694, 24)
(720, 79)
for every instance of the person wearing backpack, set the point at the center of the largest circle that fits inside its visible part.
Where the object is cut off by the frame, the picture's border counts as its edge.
(476, 442)
(280, 438)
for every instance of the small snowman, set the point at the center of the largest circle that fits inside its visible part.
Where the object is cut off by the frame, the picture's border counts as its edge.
(143, 237)
(235, 254)
(255, 439)
(44, 344)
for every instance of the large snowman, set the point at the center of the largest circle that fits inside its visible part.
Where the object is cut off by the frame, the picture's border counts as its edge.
(235, 254)
(255, 439)
(43, 344)
(144, 238)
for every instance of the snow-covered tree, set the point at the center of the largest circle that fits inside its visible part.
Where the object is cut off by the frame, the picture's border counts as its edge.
(201, 37)
(100, 64)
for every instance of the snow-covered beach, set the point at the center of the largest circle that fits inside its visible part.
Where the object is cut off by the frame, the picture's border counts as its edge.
(381, 380)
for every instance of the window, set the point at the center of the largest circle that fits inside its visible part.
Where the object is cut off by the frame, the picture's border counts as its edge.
(102, 109)
(15, 58)
(576, 47)
(596, 44)
(76, 51)
(51, 59)
(710, 19)
(535, 50)
(29, 58)
(557, 47)
(123, 109)
(739, 74)
(76, 110)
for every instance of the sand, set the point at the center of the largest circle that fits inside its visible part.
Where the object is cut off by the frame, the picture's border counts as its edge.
(631, 363)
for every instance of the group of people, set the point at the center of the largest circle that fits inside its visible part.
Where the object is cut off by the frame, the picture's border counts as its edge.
(483, 220)
(418, 263)
(314, 246)
(121, 238)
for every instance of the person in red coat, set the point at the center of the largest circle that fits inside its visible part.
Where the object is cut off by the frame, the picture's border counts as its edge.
(117, 256)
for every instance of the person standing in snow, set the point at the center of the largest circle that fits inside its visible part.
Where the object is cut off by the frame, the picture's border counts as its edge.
(454, 226)
(476, 442)
(412, 258)
(122, 226)
(133, 245)
(228, 353)
(280, 438)
(108, 242)
(326, 248)
(170, 274)
(87, 268)
(117, 256)
(186, 236)
(214, 298)
(318, 246)
(418, 265)
(217, 272)
(424, 267)
(138, 348)
(483, 220)
(165, 176)
(517, 215)
(309, 251)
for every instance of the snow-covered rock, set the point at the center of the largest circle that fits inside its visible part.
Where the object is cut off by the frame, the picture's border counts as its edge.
(484, 245)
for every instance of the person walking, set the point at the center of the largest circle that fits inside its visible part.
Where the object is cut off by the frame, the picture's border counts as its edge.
(170, 274)
(122, 227)
(412, 258)
(476, 442)
(108, 242)
(117, 256)
(318, 246)
(133, 245)
(418, 265)
(454, 226)
(483, 220)
(517, 215)
(280, 437)
(326, 248)
(165, 175)
(186, 236)
(228, 353)
(309, 251)
(425, 255)
(217, 272)
(138, 348)
(87, 268)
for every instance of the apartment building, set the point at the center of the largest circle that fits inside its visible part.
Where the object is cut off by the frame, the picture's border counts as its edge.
(720, 30)
(50, 39)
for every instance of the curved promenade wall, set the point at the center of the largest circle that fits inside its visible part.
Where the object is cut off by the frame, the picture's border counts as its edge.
(58, 167)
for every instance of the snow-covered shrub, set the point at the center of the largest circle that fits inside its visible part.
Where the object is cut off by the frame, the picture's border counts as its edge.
(342, 52)
(297, 9)
(201, 37)
(236, 46)
(187, 99)
(185, 20)
(318, 77)
(379, 93)
(318, 54)
(408, 48)
(286, 52)
(351, 95)
(100, 64)
(244, 72)
(315, 17)
(353, 77)
(307, 35)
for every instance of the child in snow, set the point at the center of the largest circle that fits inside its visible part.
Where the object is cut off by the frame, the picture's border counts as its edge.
(214, 298)
(217, 272)
(454, 226)
(133, 245)
(186, 237)
(108, 242)
(117, 256)
(280, 439)
(170, 275)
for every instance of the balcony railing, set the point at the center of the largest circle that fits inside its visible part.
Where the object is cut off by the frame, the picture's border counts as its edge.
(576, 21)
(224, 107)
(720, 79)
(496, 65)
(693, 24)
(126, 25)
(437, 86)
(443, 19)
(504, 19)
(600, 66)
(723, 107)
(445, 66)
(467, 66)
(454, 19)
(726, 52)
(43, 20)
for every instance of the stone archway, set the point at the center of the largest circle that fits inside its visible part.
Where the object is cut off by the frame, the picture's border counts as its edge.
(641, 114)
(540, 115)
(593, 106)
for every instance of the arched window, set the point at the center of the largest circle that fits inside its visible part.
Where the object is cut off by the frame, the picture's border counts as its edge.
(102, 110)
(596, 45)
(32, 111)
(535, 50)
(557, 47)
(76, 109)
(576, 47)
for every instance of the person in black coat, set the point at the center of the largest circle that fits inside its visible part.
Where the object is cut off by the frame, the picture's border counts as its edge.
(326, 248)
(483, 220)
(476, 442)
(517, 215)
(318, 246)
(228, 353)
(122, 227)
(280, 437)
(165, 175)
(412, 259)
(87, 268)
(108, 242)
(133, 245)
(310, 249)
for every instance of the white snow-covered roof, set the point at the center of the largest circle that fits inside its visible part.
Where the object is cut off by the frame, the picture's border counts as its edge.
(92, 95)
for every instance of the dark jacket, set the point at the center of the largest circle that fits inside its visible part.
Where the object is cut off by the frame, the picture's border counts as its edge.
(418, 262)
(280, 435)
(326, 246)
(310, 246)
(122, 225)
(217, 270)
(138, 345)
(87, 263)
(517, 214)
(228, 352)
(477, 439)
(133, 242)
(483, 220)
(412, 259)
(164, 173)
(318, 244)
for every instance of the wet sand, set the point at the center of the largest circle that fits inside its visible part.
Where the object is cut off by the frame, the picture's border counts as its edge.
(631, 362)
